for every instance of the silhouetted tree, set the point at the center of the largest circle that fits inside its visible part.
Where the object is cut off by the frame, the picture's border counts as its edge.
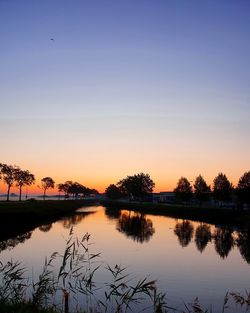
(201, 189)
(137, 186)
(222, 188)
(75, 189)
(202, 236)
(224, 241)
(137, 227)
(8, 176)
(243, 188)
(94, 191)
(23, 178)
(113, 192)
(183, 190)
(63, 188)
(47, 183)
(184, 232)
(243, 243)
(69, 222)
(112, 213)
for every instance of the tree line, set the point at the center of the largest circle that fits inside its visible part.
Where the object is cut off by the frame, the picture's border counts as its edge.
(139, 187)
(13, 175)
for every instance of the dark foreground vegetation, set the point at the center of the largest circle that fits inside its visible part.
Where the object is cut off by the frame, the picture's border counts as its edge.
(73, 287)
(18, 217)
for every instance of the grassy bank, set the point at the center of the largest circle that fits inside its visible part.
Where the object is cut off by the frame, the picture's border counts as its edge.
(215, 216)
(18, 217)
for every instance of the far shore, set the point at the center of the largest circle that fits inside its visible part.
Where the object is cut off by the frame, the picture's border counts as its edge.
(212, 215)
(18, 217)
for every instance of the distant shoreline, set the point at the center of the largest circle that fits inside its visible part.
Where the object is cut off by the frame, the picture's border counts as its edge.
(216, 216)
(18, 217)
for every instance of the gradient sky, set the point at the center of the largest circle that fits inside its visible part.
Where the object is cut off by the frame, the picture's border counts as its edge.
(161, 87)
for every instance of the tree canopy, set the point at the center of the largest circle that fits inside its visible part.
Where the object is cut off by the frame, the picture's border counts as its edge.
(201, 189)
(47, 183)
(8, 176)
(23, 178)
(183, 190)
(243, 188)
(222, 188)
(113, 192)
(137, 186)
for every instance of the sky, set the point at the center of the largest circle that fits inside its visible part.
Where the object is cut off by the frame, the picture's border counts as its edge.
(93, 91)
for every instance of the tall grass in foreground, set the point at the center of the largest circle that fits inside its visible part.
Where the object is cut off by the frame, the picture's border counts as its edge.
(74, 283)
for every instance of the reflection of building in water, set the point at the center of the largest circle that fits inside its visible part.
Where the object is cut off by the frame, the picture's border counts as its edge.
(243, 243)
(184, 231)
(135, 226)
(45, 228)
(224, 241)
(202, 236)
(12, 242)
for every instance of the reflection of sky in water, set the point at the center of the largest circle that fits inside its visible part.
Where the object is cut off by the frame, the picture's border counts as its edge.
(169, 252)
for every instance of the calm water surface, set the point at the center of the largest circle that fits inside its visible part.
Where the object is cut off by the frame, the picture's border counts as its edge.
(188, 259)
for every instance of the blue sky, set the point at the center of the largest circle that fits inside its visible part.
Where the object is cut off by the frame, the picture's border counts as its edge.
(119, 69)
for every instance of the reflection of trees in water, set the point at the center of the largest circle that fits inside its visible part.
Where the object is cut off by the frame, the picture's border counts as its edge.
(12, 242)
(243, 244)
(73, 220)
(202, 236)
(224, 241)
(45, 228)
(184, 232)
(112, 213)
(137, 227)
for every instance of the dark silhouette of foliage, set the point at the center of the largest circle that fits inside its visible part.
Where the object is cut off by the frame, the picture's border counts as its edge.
(70, 221)
(137, 186)
(8, 175)
(112, 213)
(201, 189)
(75, 189)
(243, 188)
(184, 232)
(45, 228)
(23, 178)
(243, 244)
(13, 242)
(62, 188)
(183, 190)
(224, 241)
(222, 188)
(47, 183)
(137, 226)
(202, 236)
(113, 192)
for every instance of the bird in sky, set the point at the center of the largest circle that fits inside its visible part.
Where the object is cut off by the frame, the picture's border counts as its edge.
(52, 39)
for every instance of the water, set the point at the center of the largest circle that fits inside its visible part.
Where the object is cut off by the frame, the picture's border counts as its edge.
(188, 259)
